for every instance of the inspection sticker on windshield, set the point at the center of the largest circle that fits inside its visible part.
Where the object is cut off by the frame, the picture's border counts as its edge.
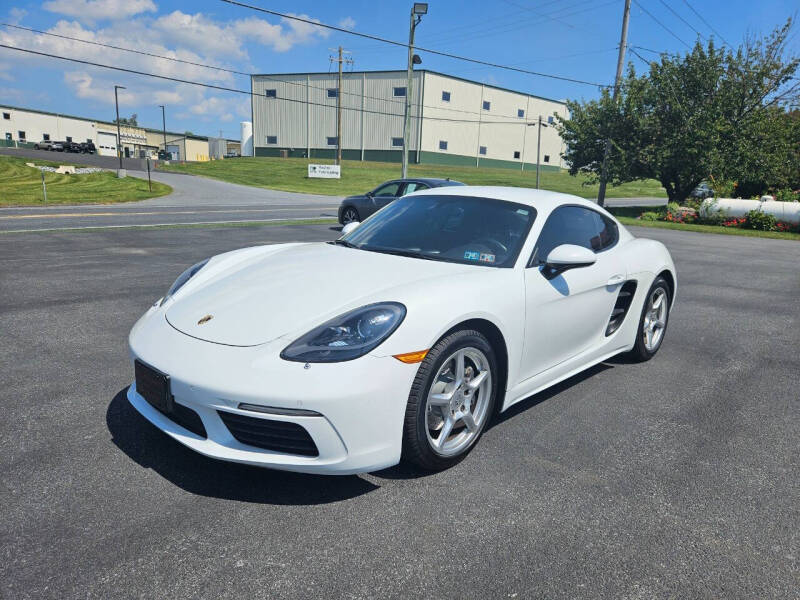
(487, 258)
(470, 255)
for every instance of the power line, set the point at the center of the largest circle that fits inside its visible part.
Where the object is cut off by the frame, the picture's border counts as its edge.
(652, 16)
(511, 121)
(142, 52)
(674, 12)
(707, 24)
(404, 45)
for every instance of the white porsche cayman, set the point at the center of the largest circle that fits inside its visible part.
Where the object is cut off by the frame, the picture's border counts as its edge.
(402, 338)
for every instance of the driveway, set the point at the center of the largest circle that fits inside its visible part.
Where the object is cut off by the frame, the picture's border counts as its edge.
(676, 478)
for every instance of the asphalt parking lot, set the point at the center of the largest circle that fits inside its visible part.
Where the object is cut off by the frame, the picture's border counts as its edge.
(675, 478)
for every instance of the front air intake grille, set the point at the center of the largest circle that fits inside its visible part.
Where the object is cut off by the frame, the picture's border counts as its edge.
(623, 303)
(188, 419)
(278, 436)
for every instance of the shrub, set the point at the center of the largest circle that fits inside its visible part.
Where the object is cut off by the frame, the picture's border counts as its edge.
(761, 221)
(651, 215)
(786, 195)
(723, 188)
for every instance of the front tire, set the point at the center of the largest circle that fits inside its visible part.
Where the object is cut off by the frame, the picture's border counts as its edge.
(652, 322)
(349, 215)
(451, 401)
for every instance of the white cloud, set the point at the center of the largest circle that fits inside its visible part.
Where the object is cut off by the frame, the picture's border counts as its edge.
(347, 23)
(201, 33)
(15, 15)
(95, 10)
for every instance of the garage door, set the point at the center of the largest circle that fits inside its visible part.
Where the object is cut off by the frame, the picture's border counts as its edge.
(106, 144)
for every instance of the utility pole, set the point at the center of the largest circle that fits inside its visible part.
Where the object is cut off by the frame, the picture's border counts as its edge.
(164, 124)
(417, 10)
(623, 45)
(538, 151)
(341, 60)
(119, 135)
(539, 123)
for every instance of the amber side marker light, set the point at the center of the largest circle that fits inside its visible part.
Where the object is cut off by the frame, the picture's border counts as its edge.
(412, 357)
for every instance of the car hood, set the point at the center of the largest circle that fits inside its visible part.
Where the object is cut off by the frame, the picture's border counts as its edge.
(290, 289)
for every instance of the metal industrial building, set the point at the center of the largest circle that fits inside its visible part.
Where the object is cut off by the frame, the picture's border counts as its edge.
(454, 121)
(25, 127)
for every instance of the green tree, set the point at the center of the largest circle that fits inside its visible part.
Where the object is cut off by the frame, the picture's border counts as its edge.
(710, 111)
(132, 121)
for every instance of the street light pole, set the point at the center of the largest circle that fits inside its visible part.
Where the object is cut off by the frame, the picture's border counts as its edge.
(164, 124)
(419, 9)
(119, 135)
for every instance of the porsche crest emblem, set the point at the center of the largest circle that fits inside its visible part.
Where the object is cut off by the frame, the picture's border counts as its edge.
(205, 319)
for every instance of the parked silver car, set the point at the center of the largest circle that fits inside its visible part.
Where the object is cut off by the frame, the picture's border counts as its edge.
(49, 145)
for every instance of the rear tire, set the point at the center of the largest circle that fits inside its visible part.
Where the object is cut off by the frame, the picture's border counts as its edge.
(349, 214)
(653, 322)
(453, 395)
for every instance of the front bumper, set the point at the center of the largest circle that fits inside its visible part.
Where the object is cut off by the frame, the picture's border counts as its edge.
(361, 403)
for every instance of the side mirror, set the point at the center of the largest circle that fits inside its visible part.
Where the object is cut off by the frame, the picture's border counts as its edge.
(350, 227)
(369, 194)
(565, 257)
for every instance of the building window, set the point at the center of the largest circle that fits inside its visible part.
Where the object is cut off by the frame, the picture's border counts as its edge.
(272, 139)
(551, 120)
(7, 116)
(487, 105)
(400, 92)
(546, 158)
(520, 113)
(516, 153)
(45, 136)
(69, 139)
(445, 96)
(333, 93)
(89, 140)
(21, 135)
(397, 142)
(333, 140)
(271, 93)
(482, 150)
(442, 145)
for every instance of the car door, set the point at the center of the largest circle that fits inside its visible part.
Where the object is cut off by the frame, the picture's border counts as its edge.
(568, 314)
(386, 193)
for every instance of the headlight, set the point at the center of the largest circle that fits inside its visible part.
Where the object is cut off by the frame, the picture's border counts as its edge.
(182, 279)
(348, 336)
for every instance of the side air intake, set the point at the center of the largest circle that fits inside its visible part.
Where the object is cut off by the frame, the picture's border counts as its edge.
(623, 303)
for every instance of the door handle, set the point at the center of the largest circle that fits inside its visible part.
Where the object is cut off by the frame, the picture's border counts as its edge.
(616, 280)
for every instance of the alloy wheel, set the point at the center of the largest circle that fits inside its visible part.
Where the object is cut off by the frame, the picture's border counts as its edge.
(458, 401)
(655, 319)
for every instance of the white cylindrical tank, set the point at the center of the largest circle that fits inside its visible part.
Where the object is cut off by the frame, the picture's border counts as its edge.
(788, 212)
(247, 138)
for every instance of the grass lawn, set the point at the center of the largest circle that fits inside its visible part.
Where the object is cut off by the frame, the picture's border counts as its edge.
(21, 185)
(627, 216)
(290, 174)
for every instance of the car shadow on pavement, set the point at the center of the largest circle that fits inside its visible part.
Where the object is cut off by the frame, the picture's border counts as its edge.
(197, 474)
(532, 401)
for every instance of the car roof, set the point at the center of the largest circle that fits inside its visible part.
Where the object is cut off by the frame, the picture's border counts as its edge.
(540, 199)
(432, 181)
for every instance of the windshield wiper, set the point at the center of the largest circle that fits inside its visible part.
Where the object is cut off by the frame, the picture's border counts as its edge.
(344, 243)
(401, 252)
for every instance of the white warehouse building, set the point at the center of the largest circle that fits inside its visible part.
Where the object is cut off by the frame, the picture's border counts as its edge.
(454, 121)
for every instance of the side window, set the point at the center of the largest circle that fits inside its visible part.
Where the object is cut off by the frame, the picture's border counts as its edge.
(414, 186)
(388, 190)
(574, 225)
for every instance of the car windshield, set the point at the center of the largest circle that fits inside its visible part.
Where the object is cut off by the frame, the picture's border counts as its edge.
(460, 229)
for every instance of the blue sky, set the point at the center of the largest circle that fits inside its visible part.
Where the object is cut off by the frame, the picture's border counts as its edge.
(574, 38)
